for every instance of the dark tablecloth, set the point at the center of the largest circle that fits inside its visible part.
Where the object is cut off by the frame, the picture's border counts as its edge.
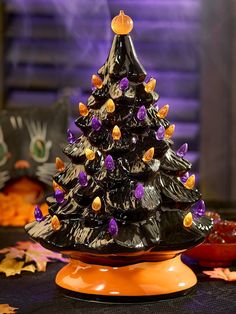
(37, 293)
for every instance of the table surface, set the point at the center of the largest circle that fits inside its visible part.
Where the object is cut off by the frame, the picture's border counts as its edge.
(37, 293)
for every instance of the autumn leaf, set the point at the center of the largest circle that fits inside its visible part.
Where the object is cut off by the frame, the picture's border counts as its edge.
(31, 246)
(221, 273)
(12, 267)
(13, 252)
(30, 268)
(23, 245)
(24, 256)
(5, 250)
(7, 309)
(41, 256)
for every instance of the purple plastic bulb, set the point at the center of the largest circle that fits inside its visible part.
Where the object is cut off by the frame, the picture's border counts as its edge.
(124, 84)
(109, 163)
(142, 113)
(160, 133)
(96, 124)
(38, 213)
(199, 208)
(70, 137)
(182, 150)
(139, 191)
(185, 177)
(83, 180)
(113, 227)
(59, 196)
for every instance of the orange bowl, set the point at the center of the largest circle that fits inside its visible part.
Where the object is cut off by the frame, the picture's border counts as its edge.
(213, 254)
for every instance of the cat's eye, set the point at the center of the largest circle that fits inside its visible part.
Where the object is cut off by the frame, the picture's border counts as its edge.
(39, 149)
(3, 153)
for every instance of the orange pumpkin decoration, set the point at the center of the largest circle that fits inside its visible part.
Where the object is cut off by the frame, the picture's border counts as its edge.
(122, 24)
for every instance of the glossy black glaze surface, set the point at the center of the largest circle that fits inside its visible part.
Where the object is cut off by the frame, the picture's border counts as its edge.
(152, 223)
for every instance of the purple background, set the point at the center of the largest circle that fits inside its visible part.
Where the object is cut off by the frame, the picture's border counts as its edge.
(55, 44)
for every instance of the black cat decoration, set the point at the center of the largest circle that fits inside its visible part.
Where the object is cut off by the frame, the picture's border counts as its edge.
(30, 140)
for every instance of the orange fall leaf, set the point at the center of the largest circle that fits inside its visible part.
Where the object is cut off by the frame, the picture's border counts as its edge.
(7, 309)
(221, 273)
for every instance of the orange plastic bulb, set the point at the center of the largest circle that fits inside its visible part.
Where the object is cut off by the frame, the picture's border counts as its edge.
(148, 155)
(150, 86)
(89, 153)
(116, 133)
(162, 113)
(110, 106)
(56, 225)
(96, 204)
(83, 109)
(122, 24)
(60, 166)
(169, 131)
(56, 186)
(188, 220)
(96, 81)
(190, 183)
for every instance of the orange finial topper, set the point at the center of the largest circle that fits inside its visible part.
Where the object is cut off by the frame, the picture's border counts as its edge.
(122, 24)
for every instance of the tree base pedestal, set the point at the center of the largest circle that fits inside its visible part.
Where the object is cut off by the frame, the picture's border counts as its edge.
(149, 280)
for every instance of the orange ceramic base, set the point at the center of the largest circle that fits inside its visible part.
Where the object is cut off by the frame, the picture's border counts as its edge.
(142, 279)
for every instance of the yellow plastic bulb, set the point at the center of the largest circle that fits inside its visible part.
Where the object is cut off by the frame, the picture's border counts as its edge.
(122, 24)
(110, 106)
(96, 204)
(169, 131)
(56, 225)
(116, 133)
(190, 183)
(162, 113)
(89, 153)
(56, 186)
(188, 220)
(150, 86)
(60, 166)
(148, 155)
(83, 109)
(96, 81)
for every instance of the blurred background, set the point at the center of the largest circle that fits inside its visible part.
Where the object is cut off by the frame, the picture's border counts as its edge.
(52, 47)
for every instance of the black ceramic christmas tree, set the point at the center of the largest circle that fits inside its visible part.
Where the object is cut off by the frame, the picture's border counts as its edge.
(125, 206)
